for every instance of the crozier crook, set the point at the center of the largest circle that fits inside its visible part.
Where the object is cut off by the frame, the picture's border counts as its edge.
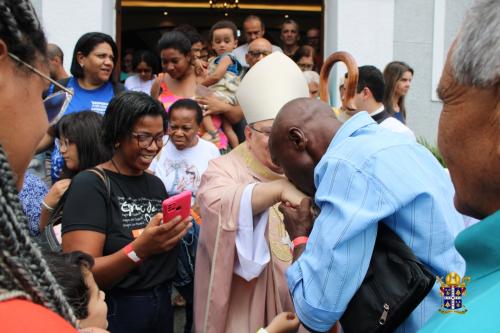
(350, 83)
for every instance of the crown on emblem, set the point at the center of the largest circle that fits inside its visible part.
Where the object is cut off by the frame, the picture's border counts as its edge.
(452, 290)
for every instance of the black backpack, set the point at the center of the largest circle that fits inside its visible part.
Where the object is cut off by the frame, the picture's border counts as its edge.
(394, 285)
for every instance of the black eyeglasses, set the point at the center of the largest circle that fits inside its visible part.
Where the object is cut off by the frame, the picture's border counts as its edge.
(265, 130)
(257, 53)
(56, 103)
(146, 140)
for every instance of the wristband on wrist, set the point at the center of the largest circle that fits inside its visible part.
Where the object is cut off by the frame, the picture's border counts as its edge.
(47, 207)
(129, 252)
(300, 241)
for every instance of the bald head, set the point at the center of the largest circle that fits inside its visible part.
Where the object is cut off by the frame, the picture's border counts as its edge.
(56, 62)
(300, 136)
(258, 49)
(54, 51)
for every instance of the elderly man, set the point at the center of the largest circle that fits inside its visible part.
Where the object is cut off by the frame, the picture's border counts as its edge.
(253, 28)
(243, 249)
(469, 139)
(258, 49)
(360, 174)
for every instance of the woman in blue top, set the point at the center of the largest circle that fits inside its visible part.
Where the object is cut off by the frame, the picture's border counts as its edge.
(92, 66)
(397, 78)
(94, 60)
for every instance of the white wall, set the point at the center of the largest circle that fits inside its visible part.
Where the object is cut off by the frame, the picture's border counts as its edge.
(423, 33)
(65, 21)
(364, 28)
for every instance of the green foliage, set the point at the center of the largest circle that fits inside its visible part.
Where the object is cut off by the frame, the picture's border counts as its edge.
(433, 149)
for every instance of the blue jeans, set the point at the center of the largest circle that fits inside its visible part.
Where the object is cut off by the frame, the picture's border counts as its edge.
(184, 280)
(140, 311)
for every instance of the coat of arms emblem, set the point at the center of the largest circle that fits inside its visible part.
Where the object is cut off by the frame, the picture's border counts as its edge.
(452, 291)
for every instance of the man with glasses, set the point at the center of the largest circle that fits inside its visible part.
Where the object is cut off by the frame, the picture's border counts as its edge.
(257, 50)
(239, 280)
(253, 28)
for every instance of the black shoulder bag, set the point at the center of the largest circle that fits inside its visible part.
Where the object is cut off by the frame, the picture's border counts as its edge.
(48, 239)
(395, 284)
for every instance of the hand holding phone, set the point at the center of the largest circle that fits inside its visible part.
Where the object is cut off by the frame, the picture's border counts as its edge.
(177, 205)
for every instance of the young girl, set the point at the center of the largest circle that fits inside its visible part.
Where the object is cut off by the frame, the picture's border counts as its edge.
(79, 139)
(145, 64)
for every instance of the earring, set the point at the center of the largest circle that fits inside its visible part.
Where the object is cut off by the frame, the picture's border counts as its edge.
(117, 145)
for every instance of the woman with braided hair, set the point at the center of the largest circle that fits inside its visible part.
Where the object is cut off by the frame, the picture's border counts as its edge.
(30, 298)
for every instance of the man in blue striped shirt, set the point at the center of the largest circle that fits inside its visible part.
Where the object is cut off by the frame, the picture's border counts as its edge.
(359, 174)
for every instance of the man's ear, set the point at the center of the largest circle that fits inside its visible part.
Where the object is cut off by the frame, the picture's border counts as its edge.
(367, 92)
(298, 138)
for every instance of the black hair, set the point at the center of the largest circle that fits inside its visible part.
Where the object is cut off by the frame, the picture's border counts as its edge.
(303, 51)
(191, 33)
(186, 103)
(23, 270)
(175, 40)
(68, 269)
(84, 130)
(124, 110)
(21, 30)
(148, 57)
(224, 24)
(85, 45)
(372, 78)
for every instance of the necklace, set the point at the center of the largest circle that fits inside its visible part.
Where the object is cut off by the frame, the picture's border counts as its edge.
(116, 167)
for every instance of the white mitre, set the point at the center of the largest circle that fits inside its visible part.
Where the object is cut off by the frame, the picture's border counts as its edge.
(268, 85)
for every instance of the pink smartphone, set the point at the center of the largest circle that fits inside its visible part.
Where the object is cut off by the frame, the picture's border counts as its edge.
(177, 205)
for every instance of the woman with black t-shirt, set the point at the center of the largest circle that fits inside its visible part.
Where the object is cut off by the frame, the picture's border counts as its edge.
(135, 254)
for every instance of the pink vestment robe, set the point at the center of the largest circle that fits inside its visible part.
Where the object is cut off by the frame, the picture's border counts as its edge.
(223, 301)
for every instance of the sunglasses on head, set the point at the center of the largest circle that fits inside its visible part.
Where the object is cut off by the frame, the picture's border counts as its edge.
(55, 104)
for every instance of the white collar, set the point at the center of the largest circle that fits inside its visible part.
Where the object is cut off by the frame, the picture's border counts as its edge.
(379, 110)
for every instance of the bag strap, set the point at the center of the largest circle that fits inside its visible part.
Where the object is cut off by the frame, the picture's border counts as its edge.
(105, 179)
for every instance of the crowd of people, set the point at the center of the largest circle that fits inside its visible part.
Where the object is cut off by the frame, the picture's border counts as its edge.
(289, 196)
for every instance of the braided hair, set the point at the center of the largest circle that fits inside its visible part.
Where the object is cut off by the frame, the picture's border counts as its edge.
(23, 270)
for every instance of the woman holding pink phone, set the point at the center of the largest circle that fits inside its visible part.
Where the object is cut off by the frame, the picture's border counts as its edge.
(115, 216)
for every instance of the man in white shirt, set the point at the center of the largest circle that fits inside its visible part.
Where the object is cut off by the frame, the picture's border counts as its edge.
(253, 28)
(369, 94)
